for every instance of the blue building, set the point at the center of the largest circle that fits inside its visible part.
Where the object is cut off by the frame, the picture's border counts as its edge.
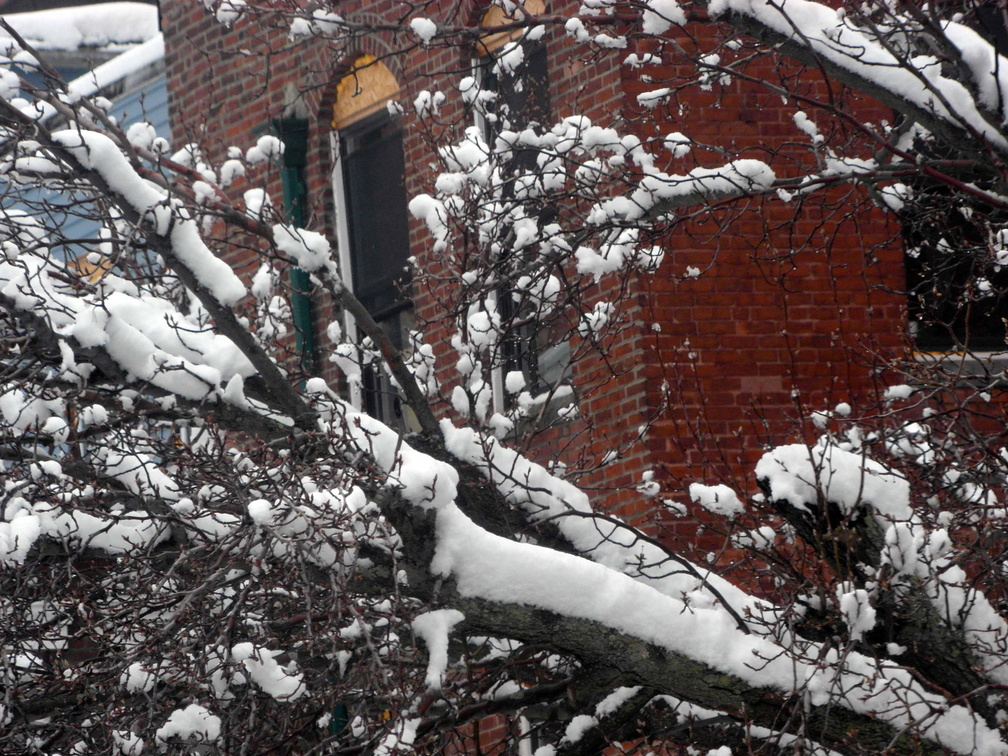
(123, 70)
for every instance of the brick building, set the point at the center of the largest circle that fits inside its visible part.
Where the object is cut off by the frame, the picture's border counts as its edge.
(755, 318)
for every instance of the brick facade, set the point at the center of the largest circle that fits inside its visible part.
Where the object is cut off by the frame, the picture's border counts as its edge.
(721, 363)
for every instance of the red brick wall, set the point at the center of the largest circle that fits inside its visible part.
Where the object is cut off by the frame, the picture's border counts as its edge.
(730, 346)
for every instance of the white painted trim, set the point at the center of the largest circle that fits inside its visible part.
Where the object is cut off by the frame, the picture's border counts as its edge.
(343, 249)
(967, 364)
(497, 374)
(524, 736)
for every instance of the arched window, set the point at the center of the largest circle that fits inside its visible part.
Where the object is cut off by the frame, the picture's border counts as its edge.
(512, 71)
(371, 206)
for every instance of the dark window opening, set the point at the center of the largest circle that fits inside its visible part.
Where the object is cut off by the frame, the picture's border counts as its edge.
(293, 132)
(522, 95)
(538, 347)
(534, 344)
(957, 296)
(990, 22)
(521, 99)
(374, 172)
(958, 299)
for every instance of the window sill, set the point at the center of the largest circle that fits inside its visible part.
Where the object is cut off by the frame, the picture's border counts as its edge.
(549, 409)
(990, 368)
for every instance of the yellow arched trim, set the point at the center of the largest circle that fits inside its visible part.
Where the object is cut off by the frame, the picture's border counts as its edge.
(93, 272)
(491, 43)
(365, 90)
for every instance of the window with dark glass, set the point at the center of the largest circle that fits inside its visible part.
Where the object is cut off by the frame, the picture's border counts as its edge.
(521, 95)
(958, 296)
(533, 344)
(371, 155)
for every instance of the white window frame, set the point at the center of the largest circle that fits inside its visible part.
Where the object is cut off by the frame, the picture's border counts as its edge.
(343, 253)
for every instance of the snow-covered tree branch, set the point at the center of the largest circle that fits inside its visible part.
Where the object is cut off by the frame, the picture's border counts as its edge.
(207, 545)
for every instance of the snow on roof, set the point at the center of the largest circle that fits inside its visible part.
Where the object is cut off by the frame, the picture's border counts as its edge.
(119, 67)
(103, 26)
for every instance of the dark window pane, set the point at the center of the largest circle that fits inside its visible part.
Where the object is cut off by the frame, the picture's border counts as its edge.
(534, 343)
(522, 95)
(373, 174)
(376, 216)
(956, 298)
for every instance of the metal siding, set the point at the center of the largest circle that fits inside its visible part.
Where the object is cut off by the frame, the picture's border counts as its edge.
(148, 102)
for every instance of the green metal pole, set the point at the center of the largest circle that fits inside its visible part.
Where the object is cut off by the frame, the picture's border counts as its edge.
(294, 135)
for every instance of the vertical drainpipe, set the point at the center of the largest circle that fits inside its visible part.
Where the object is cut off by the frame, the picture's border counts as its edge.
(294, 135)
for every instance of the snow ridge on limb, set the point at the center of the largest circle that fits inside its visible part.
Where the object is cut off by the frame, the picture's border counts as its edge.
(177, 238)
(97, 152)
(145, 335)
(922, 562)
(543, 497)
(856, 51)
(488, 570)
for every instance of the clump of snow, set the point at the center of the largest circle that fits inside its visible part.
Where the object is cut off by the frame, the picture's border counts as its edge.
(433, 213)
(310, 249)
(510, 57)
(761, 538)
(434, 628)
(808, 127)
(637, 61)
(660, 15)
(127, 743)
(654, 97)
(229, 11)
(261, 511)
(187, 156)
(483, 327)
(575, 28)
(10, 85)
(138, 679)
(316, 386)
(141, 135)
(900, 391)
(231, 170)
(257, 204)
(428, 104)
(101, 26)
(610, 42)
(678, 144)
(321, 22)
(719, 499)
(514, 381)
(648, 485)
(592, 323)
(799, 474)
(266, 148)
(578, 727)
(820, 418)
(856, 609)
(193, 723)
(267, 674)
(424, 28)
(19, 535)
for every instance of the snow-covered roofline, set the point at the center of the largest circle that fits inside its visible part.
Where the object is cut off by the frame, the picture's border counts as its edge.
(120, 67)
(108, 26)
